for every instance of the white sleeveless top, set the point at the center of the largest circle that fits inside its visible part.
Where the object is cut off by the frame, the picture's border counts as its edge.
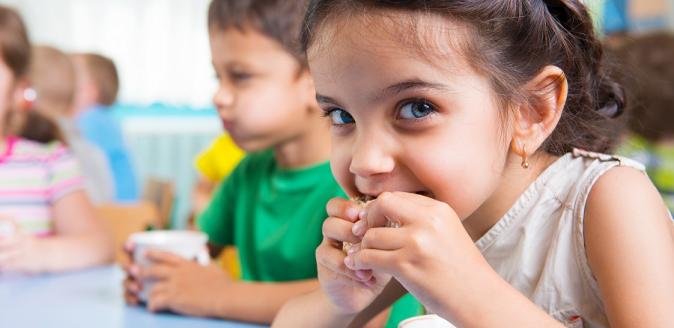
(538, 246)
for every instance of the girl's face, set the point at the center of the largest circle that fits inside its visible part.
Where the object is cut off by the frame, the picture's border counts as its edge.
(6, 89)
(407, 116)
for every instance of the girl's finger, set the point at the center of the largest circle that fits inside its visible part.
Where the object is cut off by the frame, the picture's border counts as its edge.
(339, 230)
(399, 208)
(371, 259)
(384, 239)
(332, 259)
(342, 208)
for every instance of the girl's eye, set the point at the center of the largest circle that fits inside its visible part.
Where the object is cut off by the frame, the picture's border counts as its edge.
(415, 109)
(340, 117)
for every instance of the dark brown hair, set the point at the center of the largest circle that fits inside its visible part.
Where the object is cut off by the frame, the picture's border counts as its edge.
(512, 41)
(103, 73)
(15, 51)
(648, 74)
(279, 20)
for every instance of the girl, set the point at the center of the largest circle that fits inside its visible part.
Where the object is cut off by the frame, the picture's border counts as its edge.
(477, 125)
(47, 223)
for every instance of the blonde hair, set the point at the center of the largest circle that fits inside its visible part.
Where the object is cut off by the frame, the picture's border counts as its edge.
(52, 75)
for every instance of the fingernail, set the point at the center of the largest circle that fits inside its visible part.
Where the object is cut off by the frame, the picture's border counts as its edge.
(352, 213)
(358, 228)
(134, 270)
(348, 261)
(362, 214)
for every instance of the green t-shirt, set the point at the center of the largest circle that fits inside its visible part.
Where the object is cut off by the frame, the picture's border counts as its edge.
(272, 215)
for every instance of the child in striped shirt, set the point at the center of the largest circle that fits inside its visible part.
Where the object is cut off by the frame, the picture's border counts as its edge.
(47, 223)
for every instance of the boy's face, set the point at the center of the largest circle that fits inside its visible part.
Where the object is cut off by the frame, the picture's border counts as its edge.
(404, 120)
(263, 97)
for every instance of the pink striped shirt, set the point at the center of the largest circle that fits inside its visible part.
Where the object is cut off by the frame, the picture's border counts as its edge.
(33, 176)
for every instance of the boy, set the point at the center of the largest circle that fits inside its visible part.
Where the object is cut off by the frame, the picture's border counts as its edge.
(96, 91)
(53, 77)
(271, 207)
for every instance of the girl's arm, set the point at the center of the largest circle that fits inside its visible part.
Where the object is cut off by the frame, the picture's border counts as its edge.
(630, 247)
(311, 310)
(325, 314)
(80, 238)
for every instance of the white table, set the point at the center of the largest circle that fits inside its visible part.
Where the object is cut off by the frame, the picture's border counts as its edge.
(91, 298)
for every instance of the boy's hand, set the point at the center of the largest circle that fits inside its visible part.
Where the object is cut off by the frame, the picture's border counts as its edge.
(350, 291)
(17, 250)
(429, 254)
(132, 285)
(184, 286)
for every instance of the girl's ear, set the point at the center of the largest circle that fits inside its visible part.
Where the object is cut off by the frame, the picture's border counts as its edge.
(536, 119)
(20, 96)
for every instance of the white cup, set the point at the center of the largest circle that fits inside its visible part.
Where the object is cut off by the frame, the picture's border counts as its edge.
(190, 245)
(425, 321)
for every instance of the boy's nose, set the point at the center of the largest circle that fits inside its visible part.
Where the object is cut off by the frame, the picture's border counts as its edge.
(370, 158)
(223, 98)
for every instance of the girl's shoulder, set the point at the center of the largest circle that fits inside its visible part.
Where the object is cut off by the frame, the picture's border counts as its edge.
(24, 149)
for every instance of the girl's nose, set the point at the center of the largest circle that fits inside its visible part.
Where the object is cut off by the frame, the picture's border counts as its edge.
(370, 158)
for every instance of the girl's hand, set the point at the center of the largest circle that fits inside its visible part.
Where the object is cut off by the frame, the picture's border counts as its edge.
(17, 250)
(184, 286)
(350, 291)
(430, 253)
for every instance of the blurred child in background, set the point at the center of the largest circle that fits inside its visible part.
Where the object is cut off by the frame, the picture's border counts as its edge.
(649, 74)
(52, 76)
(47, 222)
(95, 93)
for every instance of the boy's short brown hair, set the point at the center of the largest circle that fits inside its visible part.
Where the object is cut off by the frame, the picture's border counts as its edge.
(53, 78)
(648, 74)
(103, 72)
(280, 20)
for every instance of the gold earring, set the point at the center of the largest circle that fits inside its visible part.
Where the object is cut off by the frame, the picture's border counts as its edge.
(525, 159)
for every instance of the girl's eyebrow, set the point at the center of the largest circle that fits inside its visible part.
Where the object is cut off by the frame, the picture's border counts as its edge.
(325, 99)
(392, 90)
(411, 84)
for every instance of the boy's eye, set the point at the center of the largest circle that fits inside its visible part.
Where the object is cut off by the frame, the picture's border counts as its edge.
(239, 76)
(415, 109)
(340, 117)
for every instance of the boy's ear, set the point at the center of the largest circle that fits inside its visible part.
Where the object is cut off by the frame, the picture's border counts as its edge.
(535, 120)
(307, 89)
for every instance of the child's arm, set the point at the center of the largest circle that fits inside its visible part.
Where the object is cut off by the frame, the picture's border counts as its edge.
(630, 247)
(80, 240)
(312, 310)
(80, 237)
(188, 288)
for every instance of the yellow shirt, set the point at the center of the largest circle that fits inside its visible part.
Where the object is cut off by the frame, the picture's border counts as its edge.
(219, 159)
